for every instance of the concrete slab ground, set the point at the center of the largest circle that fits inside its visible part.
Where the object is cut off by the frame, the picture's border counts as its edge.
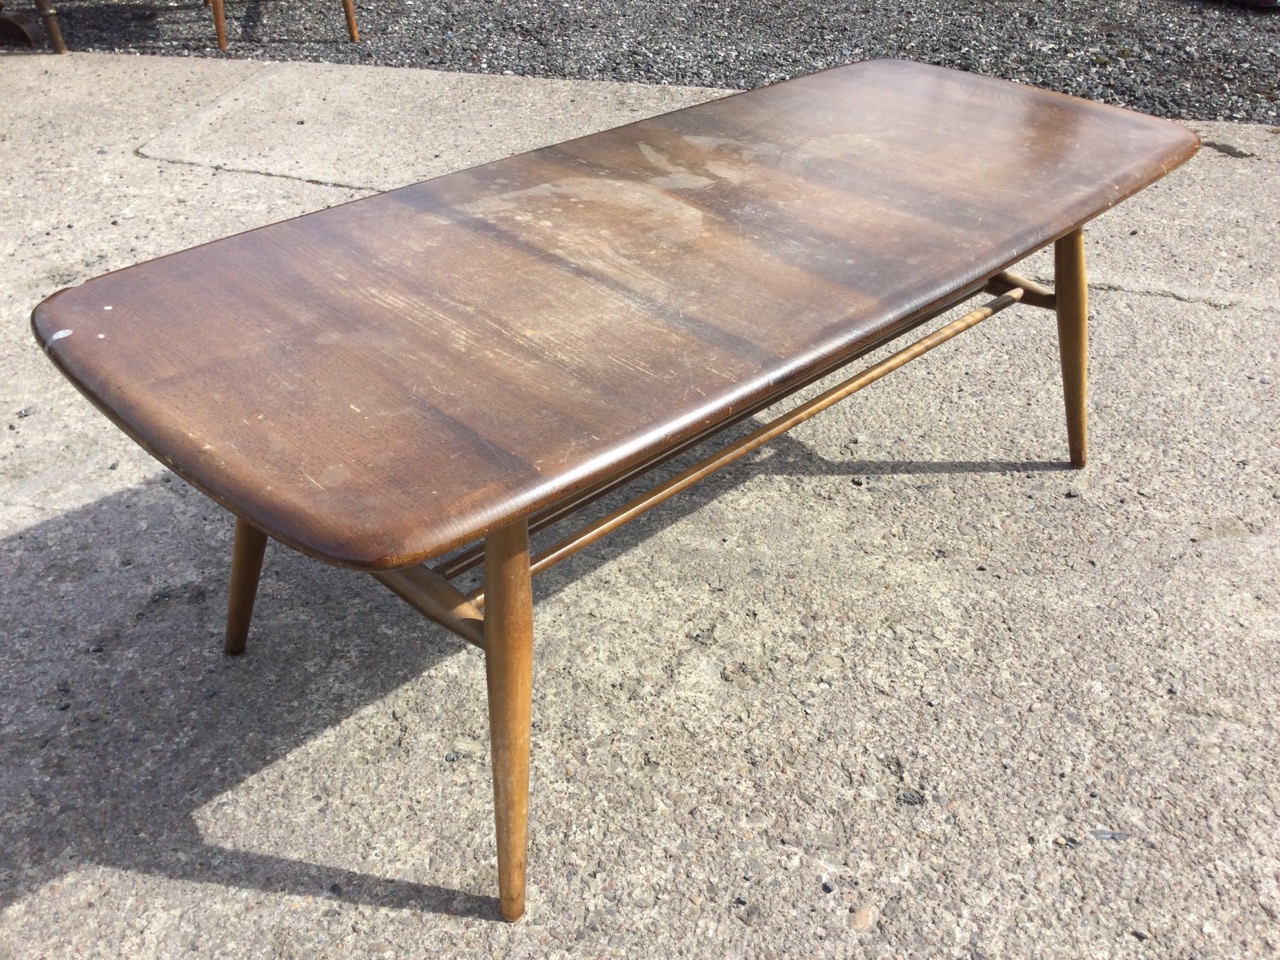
(901, 685)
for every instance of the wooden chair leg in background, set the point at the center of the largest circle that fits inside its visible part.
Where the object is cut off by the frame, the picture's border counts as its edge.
(220, 21)
(508, 641)
(349, 8)
(246, 566)
(220, 24)
(1072, 289)
(49, 17)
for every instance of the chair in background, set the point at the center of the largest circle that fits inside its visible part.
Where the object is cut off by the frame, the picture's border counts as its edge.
(20, 29)
(220, 21)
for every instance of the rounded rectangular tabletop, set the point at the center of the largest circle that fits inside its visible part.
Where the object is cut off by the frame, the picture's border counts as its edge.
(379, 382)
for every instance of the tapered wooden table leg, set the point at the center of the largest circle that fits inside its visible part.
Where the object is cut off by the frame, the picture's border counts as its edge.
(508, 641)
(246, 565)
(1073, 339)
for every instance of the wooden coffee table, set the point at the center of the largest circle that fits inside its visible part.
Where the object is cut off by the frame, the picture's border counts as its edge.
(435, 373)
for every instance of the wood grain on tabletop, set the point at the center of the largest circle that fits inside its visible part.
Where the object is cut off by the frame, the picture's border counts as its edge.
(382, 381)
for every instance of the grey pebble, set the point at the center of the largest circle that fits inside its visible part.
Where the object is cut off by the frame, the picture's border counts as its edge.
(465, 748)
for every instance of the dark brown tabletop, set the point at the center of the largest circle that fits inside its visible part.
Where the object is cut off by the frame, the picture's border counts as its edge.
(380, 382)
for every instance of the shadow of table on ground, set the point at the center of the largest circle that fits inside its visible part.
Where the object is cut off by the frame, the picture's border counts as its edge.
(122, 718)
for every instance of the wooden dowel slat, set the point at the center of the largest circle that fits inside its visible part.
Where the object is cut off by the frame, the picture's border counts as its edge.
(758, 438)
(473, 556)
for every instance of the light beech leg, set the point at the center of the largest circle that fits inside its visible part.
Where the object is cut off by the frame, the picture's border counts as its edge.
(246, 565)
(508, 642)
(1073, 339)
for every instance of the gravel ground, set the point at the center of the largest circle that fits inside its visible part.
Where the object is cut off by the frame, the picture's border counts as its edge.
(1186, 59)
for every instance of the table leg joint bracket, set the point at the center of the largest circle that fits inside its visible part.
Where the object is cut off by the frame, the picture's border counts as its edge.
(1033, 294)
(436, 599)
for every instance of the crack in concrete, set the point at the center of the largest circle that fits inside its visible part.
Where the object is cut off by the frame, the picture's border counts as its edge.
(365, 190)
(1107, 286)
(142, 154)
(1216, 303)
(1104, 286)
